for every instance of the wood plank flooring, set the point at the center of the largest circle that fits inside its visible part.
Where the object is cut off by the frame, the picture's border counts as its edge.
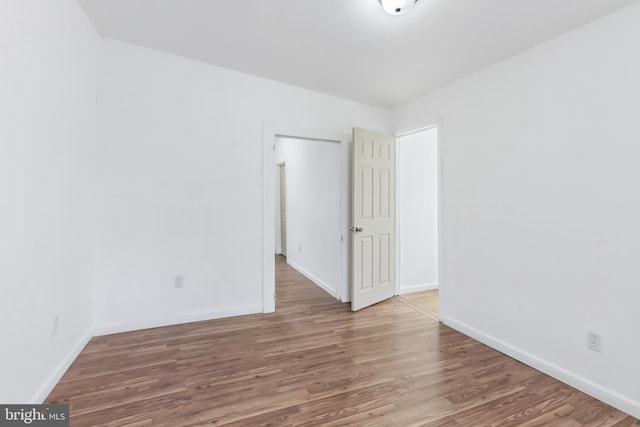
(425, 302)
(312, 363)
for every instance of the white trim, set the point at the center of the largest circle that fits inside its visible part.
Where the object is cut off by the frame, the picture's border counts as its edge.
(55, 377)
(268, 219)
(270, 131)
(346, 189)
(418, 288)
(417, 130)
(314, 279)
(611, 397)
(397, 180)
(441, 254)
(307, 138)
(174, 320)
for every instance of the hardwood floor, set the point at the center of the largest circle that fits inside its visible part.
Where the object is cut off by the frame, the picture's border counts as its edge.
(425, 302)
(314, 362)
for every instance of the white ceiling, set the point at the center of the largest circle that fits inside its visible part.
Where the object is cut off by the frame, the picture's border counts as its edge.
(348, 48)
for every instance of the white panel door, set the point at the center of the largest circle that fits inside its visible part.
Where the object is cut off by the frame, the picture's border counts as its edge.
(373, 227)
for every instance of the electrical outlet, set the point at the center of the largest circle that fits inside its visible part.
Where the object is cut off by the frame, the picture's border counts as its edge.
(178, 281)
(54, 330)
(299, 248)
(594, 341)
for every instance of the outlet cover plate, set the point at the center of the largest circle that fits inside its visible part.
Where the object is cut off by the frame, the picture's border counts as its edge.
(594, 341)
(179, 281)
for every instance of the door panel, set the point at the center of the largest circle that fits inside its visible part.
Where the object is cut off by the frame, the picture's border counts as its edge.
(366, 243)
(367, 193)
(373, 227)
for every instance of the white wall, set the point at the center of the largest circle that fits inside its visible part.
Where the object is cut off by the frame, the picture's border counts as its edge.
(182, 178)
(48, 72)
(313, 209)
(540, 204)
(417, 192)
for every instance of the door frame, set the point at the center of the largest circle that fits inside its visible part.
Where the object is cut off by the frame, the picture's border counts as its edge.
(270, 132)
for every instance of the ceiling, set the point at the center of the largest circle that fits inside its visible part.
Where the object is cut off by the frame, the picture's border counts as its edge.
(348, 48)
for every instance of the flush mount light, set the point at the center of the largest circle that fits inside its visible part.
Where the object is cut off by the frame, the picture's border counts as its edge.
(397, 7)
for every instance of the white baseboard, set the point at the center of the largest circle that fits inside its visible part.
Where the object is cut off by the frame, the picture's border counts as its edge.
(418, 288)
(53, 379)
(611, 397)
(313, 278)
(176, 320)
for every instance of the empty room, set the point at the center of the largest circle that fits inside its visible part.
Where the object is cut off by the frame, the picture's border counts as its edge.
(319, 213)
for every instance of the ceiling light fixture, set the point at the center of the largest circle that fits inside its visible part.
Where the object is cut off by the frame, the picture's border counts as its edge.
(397, 7)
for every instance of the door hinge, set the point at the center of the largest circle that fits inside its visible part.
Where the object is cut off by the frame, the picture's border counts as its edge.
(275, 296)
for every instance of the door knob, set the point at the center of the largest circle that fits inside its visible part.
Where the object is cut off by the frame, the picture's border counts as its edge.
(357, 229)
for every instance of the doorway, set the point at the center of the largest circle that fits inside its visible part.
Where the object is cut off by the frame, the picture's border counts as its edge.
(418, 211)
(342, 140)
(271, 132)
(309, 214)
